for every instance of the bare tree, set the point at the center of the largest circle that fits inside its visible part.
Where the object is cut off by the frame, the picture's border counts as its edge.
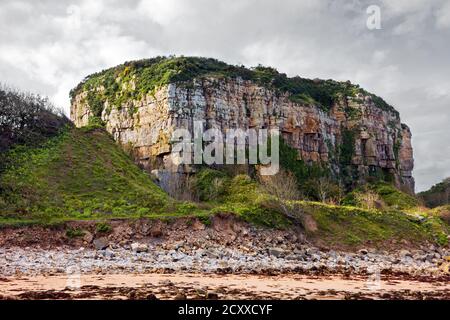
(369, 200)
(328, 191)
(26, 118)
(283, 187)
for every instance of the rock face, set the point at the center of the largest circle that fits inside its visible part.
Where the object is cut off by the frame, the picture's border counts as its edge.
(377, 143)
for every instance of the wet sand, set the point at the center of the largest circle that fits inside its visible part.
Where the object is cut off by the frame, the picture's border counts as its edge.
(204, 286)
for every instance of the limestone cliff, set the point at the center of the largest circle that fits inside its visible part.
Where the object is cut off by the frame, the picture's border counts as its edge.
(336, 124)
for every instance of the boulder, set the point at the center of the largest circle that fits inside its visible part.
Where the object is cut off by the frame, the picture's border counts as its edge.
(363, 251)
(180, 296)
(101, 243)
(139, 247)
(278, 253)
(88, 237)
(212, 296)
(405, 253)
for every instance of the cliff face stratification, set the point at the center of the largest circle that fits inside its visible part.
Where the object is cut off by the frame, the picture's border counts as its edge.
(338, 125)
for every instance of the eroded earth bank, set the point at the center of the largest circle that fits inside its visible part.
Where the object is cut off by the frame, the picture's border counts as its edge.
(222, 259)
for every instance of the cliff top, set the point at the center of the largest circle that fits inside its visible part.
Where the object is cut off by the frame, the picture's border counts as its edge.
(149, 74)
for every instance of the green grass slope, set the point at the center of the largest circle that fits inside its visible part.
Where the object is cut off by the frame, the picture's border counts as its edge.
(81, 174)
(334, 225)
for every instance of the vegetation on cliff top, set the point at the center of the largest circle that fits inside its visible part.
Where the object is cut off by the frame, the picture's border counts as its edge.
(137, 78)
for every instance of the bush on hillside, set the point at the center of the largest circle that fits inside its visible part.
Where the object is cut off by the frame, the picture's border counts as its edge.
(443, 213)
(210, 184)
(438, 195)
(282, 185)
(26, 119)
(380, 195)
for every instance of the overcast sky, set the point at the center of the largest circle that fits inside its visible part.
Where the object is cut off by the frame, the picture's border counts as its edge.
(49, 46)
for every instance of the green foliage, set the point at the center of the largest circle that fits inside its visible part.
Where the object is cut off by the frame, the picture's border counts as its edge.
(206, 220)
(443, 212)
(260, 215)
(94, 122)
(26, 119)
(391, 196)
(245, 198)
(134, 79)
(74, 233)
(95, 103)
(353, 113)
(438, 230)
(355, 226)
(380, 175)
(186, 207)
(380, 103)
(210, 184)
(103, 227)
(437, 195)
(347, 147)
(81, 174)
(306, 174)
(348, 172)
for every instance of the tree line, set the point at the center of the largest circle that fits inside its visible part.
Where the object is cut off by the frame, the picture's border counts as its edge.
(26, 119)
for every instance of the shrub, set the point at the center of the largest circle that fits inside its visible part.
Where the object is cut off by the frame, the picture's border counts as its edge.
(394, 197)
(326, 190)
(443, 213)
(303, 173)
(103, 227)
(379, 195)
(438, 195)
(186, 207)
(369, 200)
(282, 185)
(26, 119)
(210, 185)
(74, 233)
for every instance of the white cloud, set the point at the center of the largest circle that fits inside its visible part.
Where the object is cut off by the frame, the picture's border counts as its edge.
(443, 16)
(164, 12)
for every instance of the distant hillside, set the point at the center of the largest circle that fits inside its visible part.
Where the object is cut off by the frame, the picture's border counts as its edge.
(438, 195)
(26, 119)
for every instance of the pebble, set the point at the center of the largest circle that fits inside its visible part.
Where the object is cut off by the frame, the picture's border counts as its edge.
(101, 243)
(153, 258)
(139, 247)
